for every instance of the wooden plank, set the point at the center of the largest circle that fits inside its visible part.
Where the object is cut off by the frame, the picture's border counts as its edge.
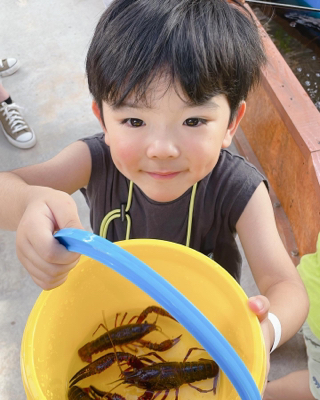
(282, 126)
(291, 100)
(282, 221)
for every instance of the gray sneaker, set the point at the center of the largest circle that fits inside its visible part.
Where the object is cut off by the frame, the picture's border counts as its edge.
(8, 66)
(14, 127)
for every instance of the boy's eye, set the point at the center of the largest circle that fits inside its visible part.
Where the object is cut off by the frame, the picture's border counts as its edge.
(194, 122)
(135, 122)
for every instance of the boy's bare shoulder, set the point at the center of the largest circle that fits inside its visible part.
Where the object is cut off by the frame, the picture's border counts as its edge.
(68, 171)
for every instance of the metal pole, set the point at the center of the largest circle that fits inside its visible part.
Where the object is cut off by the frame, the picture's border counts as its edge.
(292, 6)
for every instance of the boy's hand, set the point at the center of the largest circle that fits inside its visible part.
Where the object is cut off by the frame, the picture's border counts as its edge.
(260, 306)
(47, 261)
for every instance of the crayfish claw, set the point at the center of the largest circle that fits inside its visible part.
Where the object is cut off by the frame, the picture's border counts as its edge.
(103, 363)
(75, 392)
(163, 346)
(96, 367)
(156, 309)
(105, 395)
(148, 395)
(82, 374)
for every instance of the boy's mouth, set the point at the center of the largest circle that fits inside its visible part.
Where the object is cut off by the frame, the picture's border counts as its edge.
(163, 175)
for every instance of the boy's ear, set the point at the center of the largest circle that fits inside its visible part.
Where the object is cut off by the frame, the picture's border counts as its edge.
(97, 113)
(232, 128)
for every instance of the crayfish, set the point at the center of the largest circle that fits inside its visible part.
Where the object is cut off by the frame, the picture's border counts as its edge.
(104, 362)
(126, 334)
(165, 376)
(91, 393)
(155, 377)
(143, 372)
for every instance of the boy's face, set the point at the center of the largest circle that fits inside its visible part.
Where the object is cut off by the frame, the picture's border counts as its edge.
(168, 147)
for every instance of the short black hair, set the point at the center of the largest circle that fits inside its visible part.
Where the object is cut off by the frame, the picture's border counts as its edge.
(208, 47)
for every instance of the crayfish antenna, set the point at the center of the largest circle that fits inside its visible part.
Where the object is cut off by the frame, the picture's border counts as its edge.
(115, 387)
(114, 348)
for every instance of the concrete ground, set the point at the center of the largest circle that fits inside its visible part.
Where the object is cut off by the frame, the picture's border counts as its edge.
(50, 38)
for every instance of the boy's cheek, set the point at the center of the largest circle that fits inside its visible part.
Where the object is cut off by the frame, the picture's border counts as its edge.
(124, 157)
(106, 138)
(117, 143)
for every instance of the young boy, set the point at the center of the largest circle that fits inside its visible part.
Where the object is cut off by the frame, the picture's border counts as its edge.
(169, 81)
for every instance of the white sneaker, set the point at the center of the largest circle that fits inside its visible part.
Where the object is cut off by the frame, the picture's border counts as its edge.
(9, 66)
(14, 127)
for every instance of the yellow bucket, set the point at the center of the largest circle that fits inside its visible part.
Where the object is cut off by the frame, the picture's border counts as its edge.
(63, 319)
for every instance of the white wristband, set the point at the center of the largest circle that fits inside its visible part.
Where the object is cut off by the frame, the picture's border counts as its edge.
(277, 330)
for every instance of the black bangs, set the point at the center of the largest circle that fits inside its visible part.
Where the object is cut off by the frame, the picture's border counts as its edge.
(207, 47)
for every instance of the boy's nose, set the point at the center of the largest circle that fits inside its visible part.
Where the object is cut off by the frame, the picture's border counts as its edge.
(162, 147)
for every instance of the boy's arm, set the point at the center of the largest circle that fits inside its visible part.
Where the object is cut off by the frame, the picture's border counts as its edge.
(68, 171)
(35, 200)
(271, 266)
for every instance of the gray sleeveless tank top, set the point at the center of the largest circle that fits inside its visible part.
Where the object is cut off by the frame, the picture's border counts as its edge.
(220, 200)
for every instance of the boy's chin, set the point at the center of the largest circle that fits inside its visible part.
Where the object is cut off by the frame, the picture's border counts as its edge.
(163, 199)
(162, 196)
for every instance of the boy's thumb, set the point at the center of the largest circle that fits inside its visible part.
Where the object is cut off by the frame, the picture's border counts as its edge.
(73, 223)
(260, 306)
(66, 215)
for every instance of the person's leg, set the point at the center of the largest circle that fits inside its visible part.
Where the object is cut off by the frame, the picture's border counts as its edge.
(294, 386)
(4, 95)
(313, 351)
(13, 125)
(300, 385)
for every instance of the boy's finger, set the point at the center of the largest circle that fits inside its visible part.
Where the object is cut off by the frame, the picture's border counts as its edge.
(260, 305)
(48, 286)
(38, 232)
(66, 216)
(45, 280)
(55, 253)
(46, 246)
(29, 257)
